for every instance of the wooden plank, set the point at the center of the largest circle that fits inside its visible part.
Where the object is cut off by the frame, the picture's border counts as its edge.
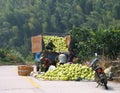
(36, 43)
(68, 39)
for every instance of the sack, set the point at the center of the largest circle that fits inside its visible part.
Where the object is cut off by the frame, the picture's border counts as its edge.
(108, 70)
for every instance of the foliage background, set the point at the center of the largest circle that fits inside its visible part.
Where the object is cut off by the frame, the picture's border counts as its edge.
(93, 24)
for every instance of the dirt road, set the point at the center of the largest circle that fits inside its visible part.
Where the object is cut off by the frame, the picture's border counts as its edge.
(11, 82)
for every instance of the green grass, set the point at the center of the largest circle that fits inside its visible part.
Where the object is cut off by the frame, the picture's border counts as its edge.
(6, 63)
(10, 63)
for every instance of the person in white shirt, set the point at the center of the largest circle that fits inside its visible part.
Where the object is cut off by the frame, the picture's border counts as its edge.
(62, 58)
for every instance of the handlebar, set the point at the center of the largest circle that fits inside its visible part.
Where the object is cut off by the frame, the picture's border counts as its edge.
(93, 62)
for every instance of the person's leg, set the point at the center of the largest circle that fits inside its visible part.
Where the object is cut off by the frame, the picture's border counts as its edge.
(37, 66)
(46, 69)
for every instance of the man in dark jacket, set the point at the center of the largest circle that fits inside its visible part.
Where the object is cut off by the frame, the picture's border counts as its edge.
(50, 45)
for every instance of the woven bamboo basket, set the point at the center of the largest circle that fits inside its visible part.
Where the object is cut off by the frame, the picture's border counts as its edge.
(24, 70)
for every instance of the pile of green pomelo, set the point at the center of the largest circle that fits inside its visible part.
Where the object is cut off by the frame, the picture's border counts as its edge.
(68, 72)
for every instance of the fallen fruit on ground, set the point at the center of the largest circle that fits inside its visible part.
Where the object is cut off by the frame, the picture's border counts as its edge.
(68, 72)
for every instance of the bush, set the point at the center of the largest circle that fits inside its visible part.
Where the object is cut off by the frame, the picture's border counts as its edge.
(11, 56)
(15, 56)
(86, 42)
(2, 54)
